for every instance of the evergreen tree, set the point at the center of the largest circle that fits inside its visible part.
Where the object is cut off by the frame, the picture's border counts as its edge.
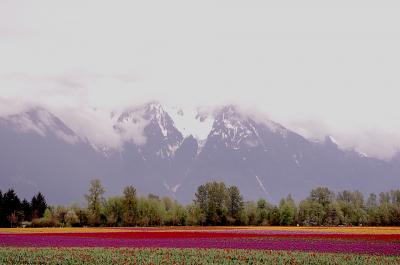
(38, 205)
(3, 217)
(27, 210)
(12, 207)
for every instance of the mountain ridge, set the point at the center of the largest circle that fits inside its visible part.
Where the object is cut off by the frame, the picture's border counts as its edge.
(263, 158)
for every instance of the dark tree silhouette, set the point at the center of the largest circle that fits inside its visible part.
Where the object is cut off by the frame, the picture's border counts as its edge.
(27, 210)
(11, 207)
(39, 205)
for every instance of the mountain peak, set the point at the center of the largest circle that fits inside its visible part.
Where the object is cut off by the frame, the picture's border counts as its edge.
(235, 128)
(41, 122)
(152, 111)
(229, 110)
(155, 113)
(154, 107)
(161, 136)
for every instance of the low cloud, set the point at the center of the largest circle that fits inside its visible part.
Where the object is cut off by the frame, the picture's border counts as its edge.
(336, 77)
(102, 129)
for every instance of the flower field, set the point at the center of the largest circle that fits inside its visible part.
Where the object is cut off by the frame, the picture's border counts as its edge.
(260, 245)
(181, 256)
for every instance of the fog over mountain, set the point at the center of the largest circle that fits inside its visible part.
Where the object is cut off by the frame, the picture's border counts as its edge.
(40, 152)
(320, 75)
(273, 96)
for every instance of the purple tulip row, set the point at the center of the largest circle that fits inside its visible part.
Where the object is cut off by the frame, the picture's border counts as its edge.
(345, 246)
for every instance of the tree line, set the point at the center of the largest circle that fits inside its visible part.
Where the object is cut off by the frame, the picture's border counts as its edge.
(214, 204)
(14, 212)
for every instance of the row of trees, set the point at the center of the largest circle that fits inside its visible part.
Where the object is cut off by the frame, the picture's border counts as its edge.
(214, 204)
(13, 211)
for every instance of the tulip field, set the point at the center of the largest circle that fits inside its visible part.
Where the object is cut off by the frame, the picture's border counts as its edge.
(199, 245)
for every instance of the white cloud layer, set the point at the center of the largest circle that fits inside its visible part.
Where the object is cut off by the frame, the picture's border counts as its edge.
(316, 67)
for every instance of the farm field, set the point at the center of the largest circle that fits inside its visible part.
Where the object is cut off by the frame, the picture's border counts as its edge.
(195, 245)
(180, 256)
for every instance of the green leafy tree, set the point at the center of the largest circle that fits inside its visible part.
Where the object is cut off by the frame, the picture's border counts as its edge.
(333, 215)
(234, 204)
(322, 195)
(195, 216)
(59, 213)
(202, 199)
(372, 210)
(71, 219)
(49, 219)
(395, 196)
(353, 208)
(151, 212)
(211, 198)
(94, 199)
(311, 213)
(129, 206)
(175, 214)
(113, 211)
(287, 211)
(274, 217)
(263, 211)
(249, 213)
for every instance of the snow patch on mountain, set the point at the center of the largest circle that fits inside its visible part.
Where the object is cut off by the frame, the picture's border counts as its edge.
(296, 160)
(262, 186)
(197, 122)
(332, 139)
(168, 152)
(172, 189)
(200, 145)
(159, 115)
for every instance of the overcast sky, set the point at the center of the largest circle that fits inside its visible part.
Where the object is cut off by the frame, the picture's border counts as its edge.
(316, 68)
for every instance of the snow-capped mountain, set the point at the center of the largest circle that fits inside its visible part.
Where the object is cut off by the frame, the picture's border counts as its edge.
(261, 157)
(162, 138)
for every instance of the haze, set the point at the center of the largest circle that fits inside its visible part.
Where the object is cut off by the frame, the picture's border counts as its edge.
(316, 68)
